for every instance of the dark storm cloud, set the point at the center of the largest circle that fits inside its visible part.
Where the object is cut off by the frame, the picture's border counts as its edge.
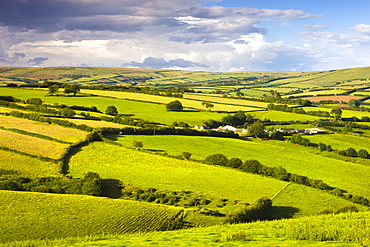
(158, 63)
(38, 60)
(128, 15)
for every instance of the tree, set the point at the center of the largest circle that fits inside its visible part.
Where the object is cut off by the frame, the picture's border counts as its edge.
(235, 162)
(34, 101)
(351, 152)
(252, 166)
(354, 103)
(186, 155)
(257, 129)
(67, 112)
(207, 105)
(111, 110)
(217, 159)
(298, 139)
(322, 146)
(53, 89)
(347, 127)
(137, 144)
(174, 106)
(337, 112)
(363, 153)
(71, 89)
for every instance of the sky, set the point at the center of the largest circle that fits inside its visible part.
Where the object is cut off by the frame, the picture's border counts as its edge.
(201, 35)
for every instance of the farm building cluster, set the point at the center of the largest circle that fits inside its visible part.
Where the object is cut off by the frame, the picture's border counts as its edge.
(311, 131)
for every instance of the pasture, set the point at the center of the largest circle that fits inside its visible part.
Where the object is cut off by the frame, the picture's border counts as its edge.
(166, 100)
(226, 100)
(32, 145)
(27, 215)
(342, 141)
(50, 130)
(295, 158)
(160, 172)
(27, 166)
(348, 229)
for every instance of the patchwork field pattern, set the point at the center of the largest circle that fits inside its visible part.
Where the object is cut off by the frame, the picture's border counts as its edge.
(27, 166)
(27, 215)
(51, 130)
(153, 171)
(32, 145)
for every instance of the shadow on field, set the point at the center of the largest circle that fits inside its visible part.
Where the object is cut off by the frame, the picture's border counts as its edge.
(111, 188)
(279, 212)
(67, 158)
(155, 150)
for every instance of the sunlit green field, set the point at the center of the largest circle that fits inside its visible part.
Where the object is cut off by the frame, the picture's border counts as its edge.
(282, 116)
(342, 141)
(166, 100)
(295, 158)
(50, 130)
(350, 229)
(27, 166)
(30, 215)
(147, 111)
(32, 145)
(149, 170)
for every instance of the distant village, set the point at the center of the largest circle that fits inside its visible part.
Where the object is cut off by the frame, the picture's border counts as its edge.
(311, 131)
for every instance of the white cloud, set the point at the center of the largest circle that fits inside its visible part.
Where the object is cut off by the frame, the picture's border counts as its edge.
(362, 28)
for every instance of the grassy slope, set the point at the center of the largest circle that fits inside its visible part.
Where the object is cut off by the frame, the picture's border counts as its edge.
(147, 111)
(27, 166)
(148, 170)
(38, 216)
(32, 145)
(166, 100)
(342, 141)
(50, 130)
(258, 234)
(296, 159)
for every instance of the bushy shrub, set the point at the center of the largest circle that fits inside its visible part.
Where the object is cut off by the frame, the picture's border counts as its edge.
(217, 159)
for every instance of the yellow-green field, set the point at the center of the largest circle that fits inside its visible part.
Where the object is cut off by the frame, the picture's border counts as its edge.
(27, 215)
(32, 145)
(51, 130)
(296, 159)
(27, 166)
(166, 100)
(148, 170)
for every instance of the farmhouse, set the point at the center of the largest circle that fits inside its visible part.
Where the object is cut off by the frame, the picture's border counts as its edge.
(311, 131)
(201, 127)
(231, 128)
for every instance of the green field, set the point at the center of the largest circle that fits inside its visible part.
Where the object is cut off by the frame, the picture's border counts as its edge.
(37, 150)
(296, 159)
(50, 130)
(28, 215)
(27, 166)
(166, 100)
(149, 170)
(350, 229)
(342, 141)
(32, 145)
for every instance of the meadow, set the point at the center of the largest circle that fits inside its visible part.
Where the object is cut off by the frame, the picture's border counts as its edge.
(295, 158)
(349, 229)
(166, 100)
(97, 221)
(160, 172)
(49, 130)
(32, 145)
(342, 141)
(27, 166)
(27, 215)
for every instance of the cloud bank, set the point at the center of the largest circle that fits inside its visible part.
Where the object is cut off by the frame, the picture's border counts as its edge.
(180, 34)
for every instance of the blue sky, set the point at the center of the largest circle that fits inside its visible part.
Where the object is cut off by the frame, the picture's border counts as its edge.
(206, 35)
